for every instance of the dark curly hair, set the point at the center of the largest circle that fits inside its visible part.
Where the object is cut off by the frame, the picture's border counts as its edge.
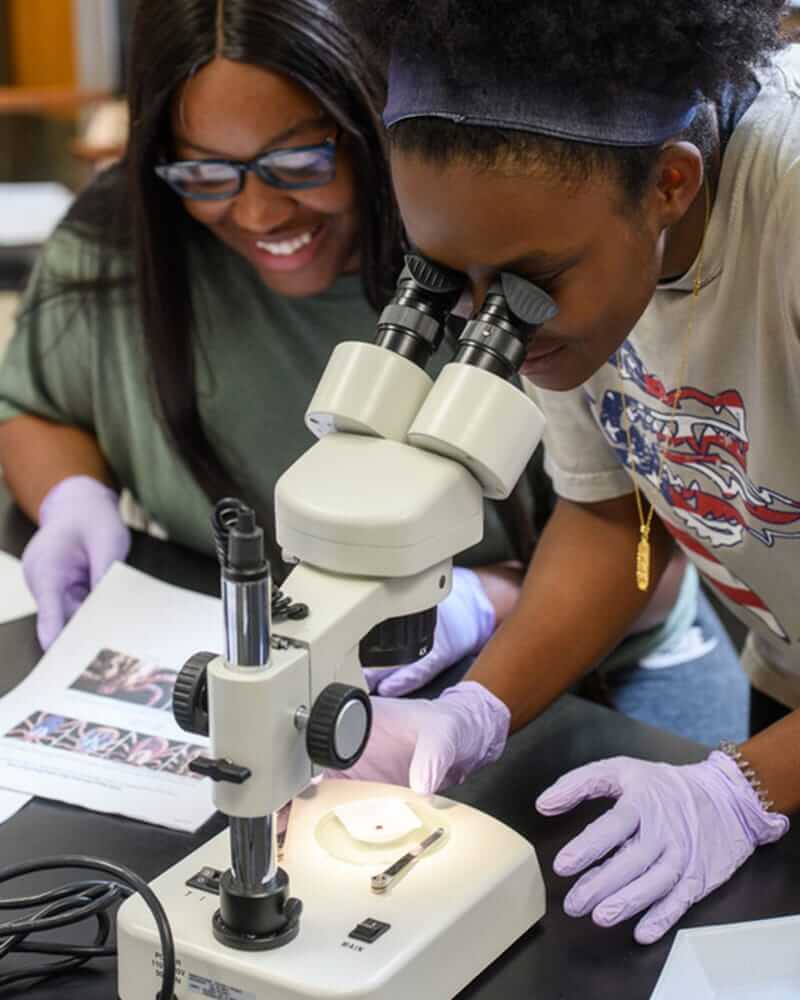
(594, 48)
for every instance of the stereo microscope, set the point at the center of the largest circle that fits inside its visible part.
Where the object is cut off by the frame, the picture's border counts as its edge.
(375, 892)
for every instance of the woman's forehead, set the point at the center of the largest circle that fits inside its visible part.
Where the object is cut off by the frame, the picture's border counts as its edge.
(462, 214)
(241, 108)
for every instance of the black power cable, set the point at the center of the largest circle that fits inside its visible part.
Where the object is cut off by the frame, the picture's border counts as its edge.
(84, 900)
(71, 904)
(226, 513)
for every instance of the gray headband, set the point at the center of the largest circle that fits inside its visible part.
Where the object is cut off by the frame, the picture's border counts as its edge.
(418, 89)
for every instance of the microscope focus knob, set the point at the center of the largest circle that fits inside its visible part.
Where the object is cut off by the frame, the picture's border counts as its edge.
(190, 695)
(338, 726)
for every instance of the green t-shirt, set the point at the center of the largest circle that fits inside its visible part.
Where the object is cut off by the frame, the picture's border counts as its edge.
(80, 359)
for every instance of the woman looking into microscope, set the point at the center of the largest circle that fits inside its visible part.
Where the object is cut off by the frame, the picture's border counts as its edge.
(640, 162)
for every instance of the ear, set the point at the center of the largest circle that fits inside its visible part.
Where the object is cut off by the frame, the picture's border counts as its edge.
(678, 178)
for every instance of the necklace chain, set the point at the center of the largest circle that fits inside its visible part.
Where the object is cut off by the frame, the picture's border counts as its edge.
(643, 549)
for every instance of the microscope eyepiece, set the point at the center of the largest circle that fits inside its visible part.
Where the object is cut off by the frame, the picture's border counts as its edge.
(529, 303)
(432, 277)
(412, 324)
(497, 338)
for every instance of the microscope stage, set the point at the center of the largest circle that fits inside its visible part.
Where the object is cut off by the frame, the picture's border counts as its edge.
(446, 918)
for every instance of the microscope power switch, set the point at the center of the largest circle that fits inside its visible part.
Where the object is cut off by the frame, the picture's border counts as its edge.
(338, 726)
(369, 930)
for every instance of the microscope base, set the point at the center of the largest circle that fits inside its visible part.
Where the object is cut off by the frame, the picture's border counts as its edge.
(454, 911)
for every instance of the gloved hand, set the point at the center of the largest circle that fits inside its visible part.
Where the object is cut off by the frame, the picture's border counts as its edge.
(80, 534)
(681, 833)
(431, 744)
(464, 625)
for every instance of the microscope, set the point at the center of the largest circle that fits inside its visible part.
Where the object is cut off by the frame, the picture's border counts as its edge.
(374, 891)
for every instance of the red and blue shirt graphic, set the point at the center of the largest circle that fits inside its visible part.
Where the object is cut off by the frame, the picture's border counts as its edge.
(714, 504)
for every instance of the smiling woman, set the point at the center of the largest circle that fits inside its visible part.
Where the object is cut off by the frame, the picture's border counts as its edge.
(144, 255)
(277, 188)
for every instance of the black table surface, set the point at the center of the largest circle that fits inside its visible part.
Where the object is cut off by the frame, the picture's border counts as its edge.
(560, 959)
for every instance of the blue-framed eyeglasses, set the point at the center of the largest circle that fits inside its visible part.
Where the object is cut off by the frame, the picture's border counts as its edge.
(293, 169)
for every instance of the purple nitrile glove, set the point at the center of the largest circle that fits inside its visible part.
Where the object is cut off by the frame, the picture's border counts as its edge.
(80, 535)
(681, 833)
(464, 625)
(430, 744)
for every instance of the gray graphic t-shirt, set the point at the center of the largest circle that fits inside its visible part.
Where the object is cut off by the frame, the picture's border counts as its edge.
(729, 488)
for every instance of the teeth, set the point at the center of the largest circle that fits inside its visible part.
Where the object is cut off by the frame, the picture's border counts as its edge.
(286, 247)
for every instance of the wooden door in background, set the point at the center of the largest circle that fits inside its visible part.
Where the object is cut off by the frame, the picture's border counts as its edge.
(41, 42)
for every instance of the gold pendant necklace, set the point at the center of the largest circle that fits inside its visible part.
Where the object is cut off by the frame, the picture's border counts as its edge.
(643, 549)
(643, 557)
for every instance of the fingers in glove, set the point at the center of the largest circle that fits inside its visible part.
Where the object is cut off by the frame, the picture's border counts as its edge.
(592, 781)
(330, 774)
(624, 867)
(611, 830)
(111, 543)
(669, 910)
(434, 755)
(651, 886)
(74, 595)
(373, 677)
(403, 680)
(52, 616)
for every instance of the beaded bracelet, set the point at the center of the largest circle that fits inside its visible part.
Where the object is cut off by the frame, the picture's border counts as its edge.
(730, 748)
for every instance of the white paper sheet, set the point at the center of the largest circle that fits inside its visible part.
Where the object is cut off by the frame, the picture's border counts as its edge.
(30, 212)
(756, 960)
(16, 601)
(11, 803)
(377, 821)
(92, 724)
